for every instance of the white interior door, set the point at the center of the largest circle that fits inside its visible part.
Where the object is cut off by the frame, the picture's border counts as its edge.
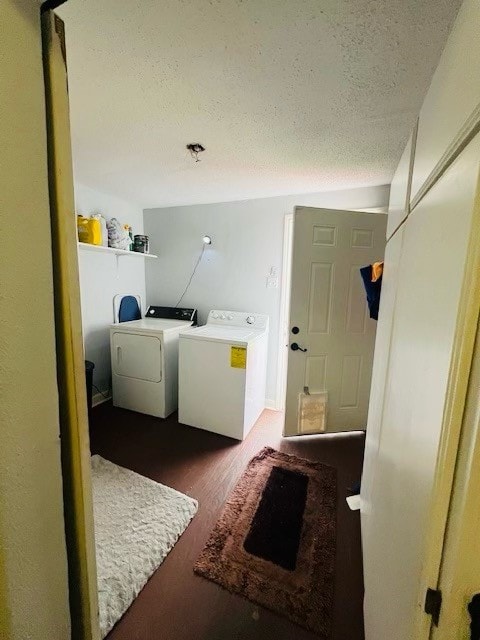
(329, 317)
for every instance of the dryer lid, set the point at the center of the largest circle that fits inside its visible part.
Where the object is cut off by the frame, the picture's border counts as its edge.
(151, 326)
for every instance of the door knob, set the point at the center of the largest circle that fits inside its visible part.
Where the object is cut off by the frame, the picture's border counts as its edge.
(294, 347)
(474, 611)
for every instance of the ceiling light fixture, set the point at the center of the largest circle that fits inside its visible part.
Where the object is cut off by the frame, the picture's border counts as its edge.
(195, 148)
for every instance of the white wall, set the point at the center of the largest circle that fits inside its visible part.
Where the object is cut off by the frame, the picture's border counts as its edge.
(33, 564)
(247, 242)
(101, 279)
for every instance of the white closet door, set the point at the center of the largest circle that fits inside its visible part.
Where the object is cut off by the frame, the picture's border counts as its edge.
(453, 98)
(379, 374)
(430, 278)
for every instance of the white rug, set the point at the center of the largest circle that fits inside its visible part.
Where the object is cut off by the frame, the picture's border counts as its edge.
(137, 523)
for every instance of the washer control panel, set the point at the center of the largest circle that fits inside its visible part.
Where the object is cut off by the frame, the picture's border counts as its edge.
(238, 319)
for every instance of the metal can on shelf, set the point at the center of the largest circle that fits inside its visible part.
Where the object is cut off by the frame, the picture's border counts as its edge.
(141, 244)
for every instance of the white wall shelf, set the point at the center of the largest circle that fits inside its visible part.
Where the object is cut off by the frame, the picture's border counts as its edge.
(84, 246)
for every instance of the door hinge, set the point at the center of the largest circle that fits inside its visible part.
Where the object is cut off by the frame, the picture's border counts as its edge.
(433, 604)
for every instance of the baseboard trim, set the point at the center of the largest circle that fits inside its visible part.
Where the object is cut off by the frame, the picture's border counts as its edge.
(100, 398)
(271, 404)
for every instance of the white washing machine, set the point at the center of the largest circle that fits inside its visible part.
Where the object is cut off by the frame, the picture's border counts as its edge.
(222, 373)
(144, 356)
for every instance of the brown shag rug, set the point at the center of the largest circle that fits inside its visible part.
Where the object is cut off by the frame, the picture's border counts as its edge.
(275, 540)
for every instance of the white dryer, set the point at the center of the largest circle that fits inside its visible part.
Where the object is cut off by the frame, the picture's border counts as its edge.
(144, 355)
(222, 373)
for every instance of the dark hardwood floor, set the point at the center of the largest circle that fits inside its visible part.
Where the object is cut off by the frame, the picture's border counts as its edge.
(178, 605)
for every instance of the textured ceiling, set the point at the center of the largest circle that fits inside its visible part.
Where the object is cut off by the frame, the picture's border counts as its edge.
(288, 96)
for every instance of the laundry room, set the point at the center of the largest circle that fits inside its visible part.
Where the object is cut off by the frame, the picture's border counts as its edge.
(229, 229)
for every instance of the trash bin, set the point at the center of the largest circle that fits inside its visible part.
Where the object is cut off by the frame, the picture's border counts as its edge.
(89, 367)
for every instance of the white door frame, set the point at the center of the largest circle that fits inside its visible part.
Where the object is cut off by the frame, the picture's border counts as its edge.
(75, 449)
(460, 565)
(282, 360)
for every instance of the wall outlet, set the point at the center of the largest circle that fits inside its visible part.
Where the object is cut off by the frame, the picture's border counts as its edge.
(272, 282)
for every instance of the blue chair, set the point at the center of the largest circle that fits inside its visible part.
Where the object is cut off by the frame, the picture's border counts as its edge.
(128, 309)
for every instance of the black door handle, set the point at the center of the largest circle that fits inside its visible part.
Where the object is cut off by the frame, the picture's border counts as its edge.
(474, 611)
(294, 347)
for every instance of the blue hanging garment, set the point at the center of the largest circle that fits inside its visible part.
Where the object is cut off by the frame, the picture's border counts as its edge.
(373, 290)
(129, 309)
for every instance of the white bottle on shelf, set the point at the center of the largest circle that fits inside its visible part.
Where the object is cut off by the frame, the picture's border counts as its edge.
(103, 224)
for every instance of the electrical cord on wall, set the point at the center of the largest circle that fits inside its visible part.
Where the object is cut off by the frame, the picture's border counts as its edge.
(193, 273)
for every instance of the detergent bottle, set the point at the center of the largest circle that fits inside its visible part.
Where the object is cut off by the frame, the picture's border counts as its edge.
(89, 230)
(103, 228)
(82, 229)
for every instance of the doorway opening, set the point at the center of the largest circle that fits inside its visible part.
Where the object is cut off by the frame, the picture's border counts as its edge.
(134, 459)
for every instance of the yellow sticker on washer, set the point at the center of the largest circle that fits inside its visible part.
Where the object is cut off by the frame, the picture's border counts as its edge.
(238, 357)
